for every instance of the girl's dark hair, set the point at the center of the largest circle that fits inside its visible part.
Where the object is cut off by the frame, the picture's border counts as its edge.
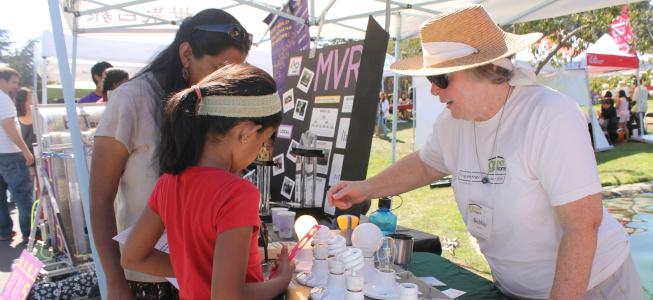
(167, 66)
(184, 133)
(622, 93)
(112, 77)
(21, 98)
(608, 94)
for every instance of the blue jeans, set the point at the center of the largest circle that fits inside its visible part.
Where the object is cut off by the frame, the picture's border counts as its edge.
(14, 175)
(380, 122)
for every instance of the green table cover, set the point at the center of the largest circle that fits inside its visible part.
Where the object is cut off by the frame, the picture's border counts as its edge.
(424, 264)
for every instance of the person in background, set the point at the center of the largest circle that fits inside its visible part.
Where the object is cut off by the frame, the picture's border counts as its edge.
(382, 110)
(211, 132)
(640, 106)
(124, 170)
(608, 119)
(623, 111)
(15, 156)
(404, 114)
(524, 172)
(97, 73)
(113, 77)
(24, 112)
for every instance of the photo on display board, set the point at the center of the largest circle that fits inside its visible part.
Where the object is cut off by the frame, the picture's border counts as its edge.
(289, 155)
(294, 66)
(287, 188)
(300, 109)
(305, 80)
(288, 100)
(278, 167)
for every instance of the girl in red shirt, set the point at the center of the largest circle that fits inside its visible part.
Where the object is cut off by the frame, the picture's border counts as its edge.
(210, 215)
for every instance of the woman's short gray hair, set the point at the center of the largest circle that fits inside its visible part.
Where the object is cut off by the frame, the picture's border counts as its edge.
(492, 73)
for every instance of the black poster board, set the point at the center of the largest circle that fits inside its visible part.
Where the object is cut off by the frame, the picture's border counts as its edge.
(335, 94)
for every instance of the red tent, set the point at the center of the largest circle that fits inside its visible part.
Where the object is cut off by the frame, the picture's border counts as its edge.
(605, 56)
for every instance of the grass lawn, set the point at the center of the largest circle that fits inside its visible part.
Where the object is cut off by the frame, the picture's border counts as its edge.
(435, 210)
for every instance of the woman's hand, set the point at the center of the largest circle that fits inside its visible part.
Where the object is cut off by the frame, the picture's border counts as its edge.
(346, 193)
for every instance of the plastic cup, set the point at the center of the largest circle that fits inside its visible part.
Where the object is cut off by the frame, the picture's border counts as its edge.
(286, 219)
(275, 211)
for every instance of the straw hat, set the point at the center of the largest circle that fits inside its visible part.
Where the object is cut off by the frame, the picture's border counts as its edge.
(461, 38)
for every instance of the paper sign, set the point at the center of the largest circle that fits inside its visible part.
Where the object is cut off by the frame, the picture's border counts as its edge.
(453, 293)
(321, 193)
(284, 131)
(432, 281)
(323, 121)
(343, 133)
(327, 99)
(336, 168)
(323, 164)
(22, 277)
(347, 104)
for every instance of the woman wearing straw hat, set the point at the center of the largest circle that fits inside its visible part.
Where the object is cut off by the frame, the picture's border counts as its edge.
(524, 174)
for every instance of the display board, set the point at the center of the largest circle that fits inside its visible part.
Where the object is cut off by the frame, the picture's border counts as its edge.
(334, 94)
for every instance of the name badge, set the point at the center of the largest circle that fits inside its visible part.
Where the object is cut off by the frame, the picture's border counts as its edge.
(479, 221)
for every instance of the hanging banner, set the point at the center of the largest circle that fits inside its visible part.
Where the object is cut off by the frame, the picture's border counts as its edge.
(287, 36)
(621, 31)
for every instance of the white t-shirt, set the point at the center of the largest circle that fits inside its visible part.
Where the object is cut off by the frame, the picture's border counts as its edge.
(544, 158)
(7, 110)
(130, 119)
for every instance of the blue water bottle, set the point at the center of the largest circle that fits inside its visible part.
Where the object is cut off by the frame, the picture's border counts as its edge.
(383, 217)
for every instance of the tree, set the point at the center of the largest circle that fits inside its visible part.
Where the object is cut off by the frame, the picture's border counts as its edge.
(4, 43)
(573, 33)
(21, 61)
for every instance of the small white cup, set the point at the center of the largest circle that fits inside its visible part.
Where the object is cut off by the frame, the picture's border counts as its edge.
(408, 291)
(275, 220)
(286, 219)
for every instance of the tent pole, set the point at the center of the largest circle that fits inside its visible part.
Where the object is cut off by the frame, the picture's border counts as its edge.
(75, 133)
(73, 67)
(395, 88)
(387, 15)
(44, 82)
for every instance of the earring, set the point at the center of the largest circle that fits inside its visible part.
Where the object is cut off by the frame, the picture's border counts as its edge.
(184, 73)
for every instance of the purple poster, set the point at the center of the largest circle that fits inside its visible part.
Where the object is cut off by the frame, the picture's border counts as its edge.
(288, 36)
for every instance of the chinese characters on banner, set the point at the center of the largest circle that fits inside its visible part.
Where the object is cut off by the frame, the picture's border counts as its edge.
(22, 277)
(287, 36)
(621, 31)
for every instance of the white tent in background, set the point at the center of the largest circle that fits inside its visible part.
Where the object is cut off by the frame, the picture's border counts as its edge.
(128, 55)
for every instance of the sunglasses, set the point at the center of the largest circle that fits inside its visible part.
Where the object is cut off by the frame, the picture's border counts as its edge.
(441, 81)
(235, 31)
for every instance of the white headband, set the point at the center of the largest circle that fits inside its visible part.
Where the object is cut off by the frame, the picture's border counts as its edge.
(240, 106)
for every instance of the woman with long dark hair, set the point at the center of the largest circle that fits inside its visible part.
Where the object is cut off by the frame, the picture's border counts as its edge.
(124, 165)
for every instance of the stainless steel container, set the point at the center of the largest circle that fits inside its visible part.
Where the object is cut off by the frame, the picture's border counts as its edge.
(403, 248)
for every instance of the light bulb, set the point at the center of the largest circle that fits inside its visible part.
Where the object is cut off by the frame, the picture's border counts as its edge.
(303, 225)
(367, 237)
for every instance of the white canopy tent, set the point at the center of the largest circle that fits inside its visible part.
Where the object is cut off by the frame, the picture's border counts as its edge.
(339, 19)
(128, 55)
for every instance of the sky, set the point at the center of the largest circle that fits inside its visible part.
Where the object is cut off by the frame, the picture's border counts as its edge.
(25, 20)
